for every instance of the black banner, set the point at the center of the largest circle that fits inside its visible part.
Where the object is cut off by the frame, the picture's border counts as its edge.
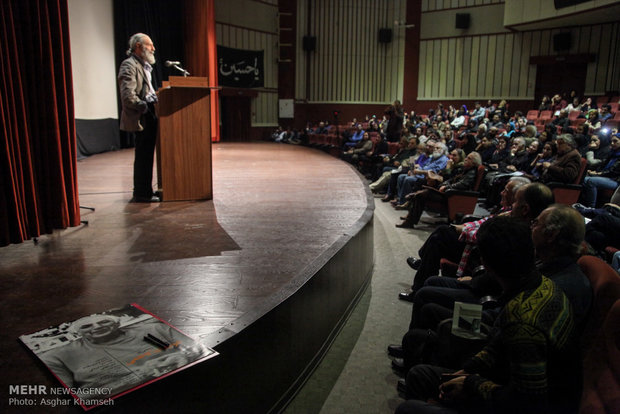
(240, 68)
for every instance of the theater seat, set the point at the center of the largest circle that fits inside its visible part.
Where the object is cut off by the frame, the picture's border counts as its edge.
(457, 203)
(601, 392)
(532, 115)
(601, 340)
(569, 193)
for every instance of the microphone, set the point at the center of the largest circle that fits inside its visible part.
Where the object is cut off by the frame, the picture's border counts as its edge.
(177, 65)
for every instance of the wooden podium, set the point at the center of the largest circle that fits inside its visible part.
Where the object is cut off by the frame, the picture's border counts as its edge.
(184, 140)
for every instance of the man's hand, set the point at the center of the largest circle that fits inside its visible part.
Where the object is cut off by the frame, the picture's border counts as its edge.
(452, 391)
(459, 228)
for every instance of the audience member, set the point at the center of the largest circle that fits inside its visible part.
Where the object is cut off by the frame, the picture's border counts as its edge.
(477, 114)
(463, 181)
(362, 147)
(424, 157)
(597, 151)
(449, 242)
(547, 155)
(395, 163)
(566, 166)
(605, 177)
(417, 177)
(395, 121)
(523, 368)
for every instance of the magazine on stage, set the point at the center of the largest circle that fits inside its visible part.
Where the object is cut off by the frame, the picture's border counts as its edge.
(102, 356)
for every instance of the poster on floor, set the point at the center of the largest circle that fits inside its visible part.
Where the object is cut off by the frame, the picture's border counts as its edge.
(100, 357)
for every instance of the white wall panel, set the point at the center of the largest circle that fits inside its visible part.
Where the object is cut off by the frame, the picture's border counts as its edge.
(497, 65)
(91, 29)
(349, 64)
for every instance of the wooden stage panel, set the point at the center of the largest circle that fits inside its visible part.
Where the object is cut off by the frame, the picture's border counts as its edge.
(280, 215)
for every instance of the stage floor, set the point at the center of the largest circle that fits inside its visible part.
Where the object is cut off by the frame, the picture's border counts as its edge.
(198, 265)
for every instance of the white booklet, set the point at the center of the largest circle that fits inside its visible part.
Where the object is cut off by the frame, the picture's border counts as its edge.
(466, 320)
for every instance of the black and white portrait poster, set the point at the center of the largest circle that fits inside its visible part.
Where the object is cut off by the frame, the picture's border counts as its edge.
(105, 355)
(240, 68)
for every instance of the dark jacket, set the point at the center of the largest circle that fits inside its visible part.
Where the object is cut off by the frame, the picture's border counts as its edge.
(565, 168)
(464, 181)
(611, 171)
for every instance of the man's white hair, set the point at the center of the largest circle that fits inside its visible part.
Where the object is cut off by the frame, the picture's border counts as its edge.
(133, 40)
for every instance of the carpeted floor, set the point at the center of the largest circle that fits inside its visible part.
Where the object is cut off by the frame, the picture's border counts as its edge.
(355, 375)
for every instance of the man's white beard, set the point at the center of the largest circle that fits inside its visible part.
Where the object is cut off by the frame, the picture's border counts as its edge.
(437, 154)
(148, 55)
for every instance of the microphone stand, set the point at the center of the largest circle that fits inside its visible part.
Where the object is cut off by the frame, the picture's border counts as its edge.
(185, 73)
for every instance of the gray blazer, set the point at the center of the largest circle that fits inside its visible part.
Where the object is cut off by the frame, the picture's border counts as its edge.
(133, 86)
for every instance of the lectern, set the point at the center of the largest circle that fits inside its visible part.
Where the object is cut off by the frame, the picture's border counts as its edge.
(184, 140)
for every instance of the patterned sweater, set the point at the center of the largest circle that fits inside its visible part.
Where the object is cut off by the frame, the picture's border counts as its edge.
(523, 367)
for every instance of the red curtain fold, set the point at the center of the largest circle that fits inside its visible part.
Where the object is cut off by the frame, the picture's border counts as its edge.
(38, 163)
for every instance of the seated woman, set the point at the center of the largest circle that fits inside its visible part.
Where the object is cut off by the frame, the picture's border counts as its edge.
(500, 154)
(606, 177)
(597, 151)
(547, 155)
(459, 119)
(463, 181)
(593, 120)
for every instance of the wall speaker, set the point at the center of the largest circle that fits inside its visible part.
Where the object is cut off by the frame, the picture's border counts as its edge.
(309, 43)
(561, 42)
(385, 35)
(559, 4)
(462, 21)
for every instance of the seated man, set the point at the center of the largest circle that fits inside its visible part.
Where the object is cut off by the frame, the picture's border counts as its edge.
(450, 241)
(425, 151)
(463, 181)
(432, 303)
(355, 138)
(407, 150)
(528, 365)
(416, 178)
(557, 233)
(566, 166)
(363, 147)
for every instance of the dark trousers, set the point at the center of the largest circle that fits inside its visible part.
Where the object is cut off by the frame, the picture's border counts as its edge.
(443, 242)
(434, 302)
(418, 203)
(423, 385)
(144, 154)
(393, 184)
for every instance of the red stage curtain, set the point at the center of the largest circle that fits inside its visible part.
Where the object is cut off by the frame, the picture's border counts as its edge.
(38, 170)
